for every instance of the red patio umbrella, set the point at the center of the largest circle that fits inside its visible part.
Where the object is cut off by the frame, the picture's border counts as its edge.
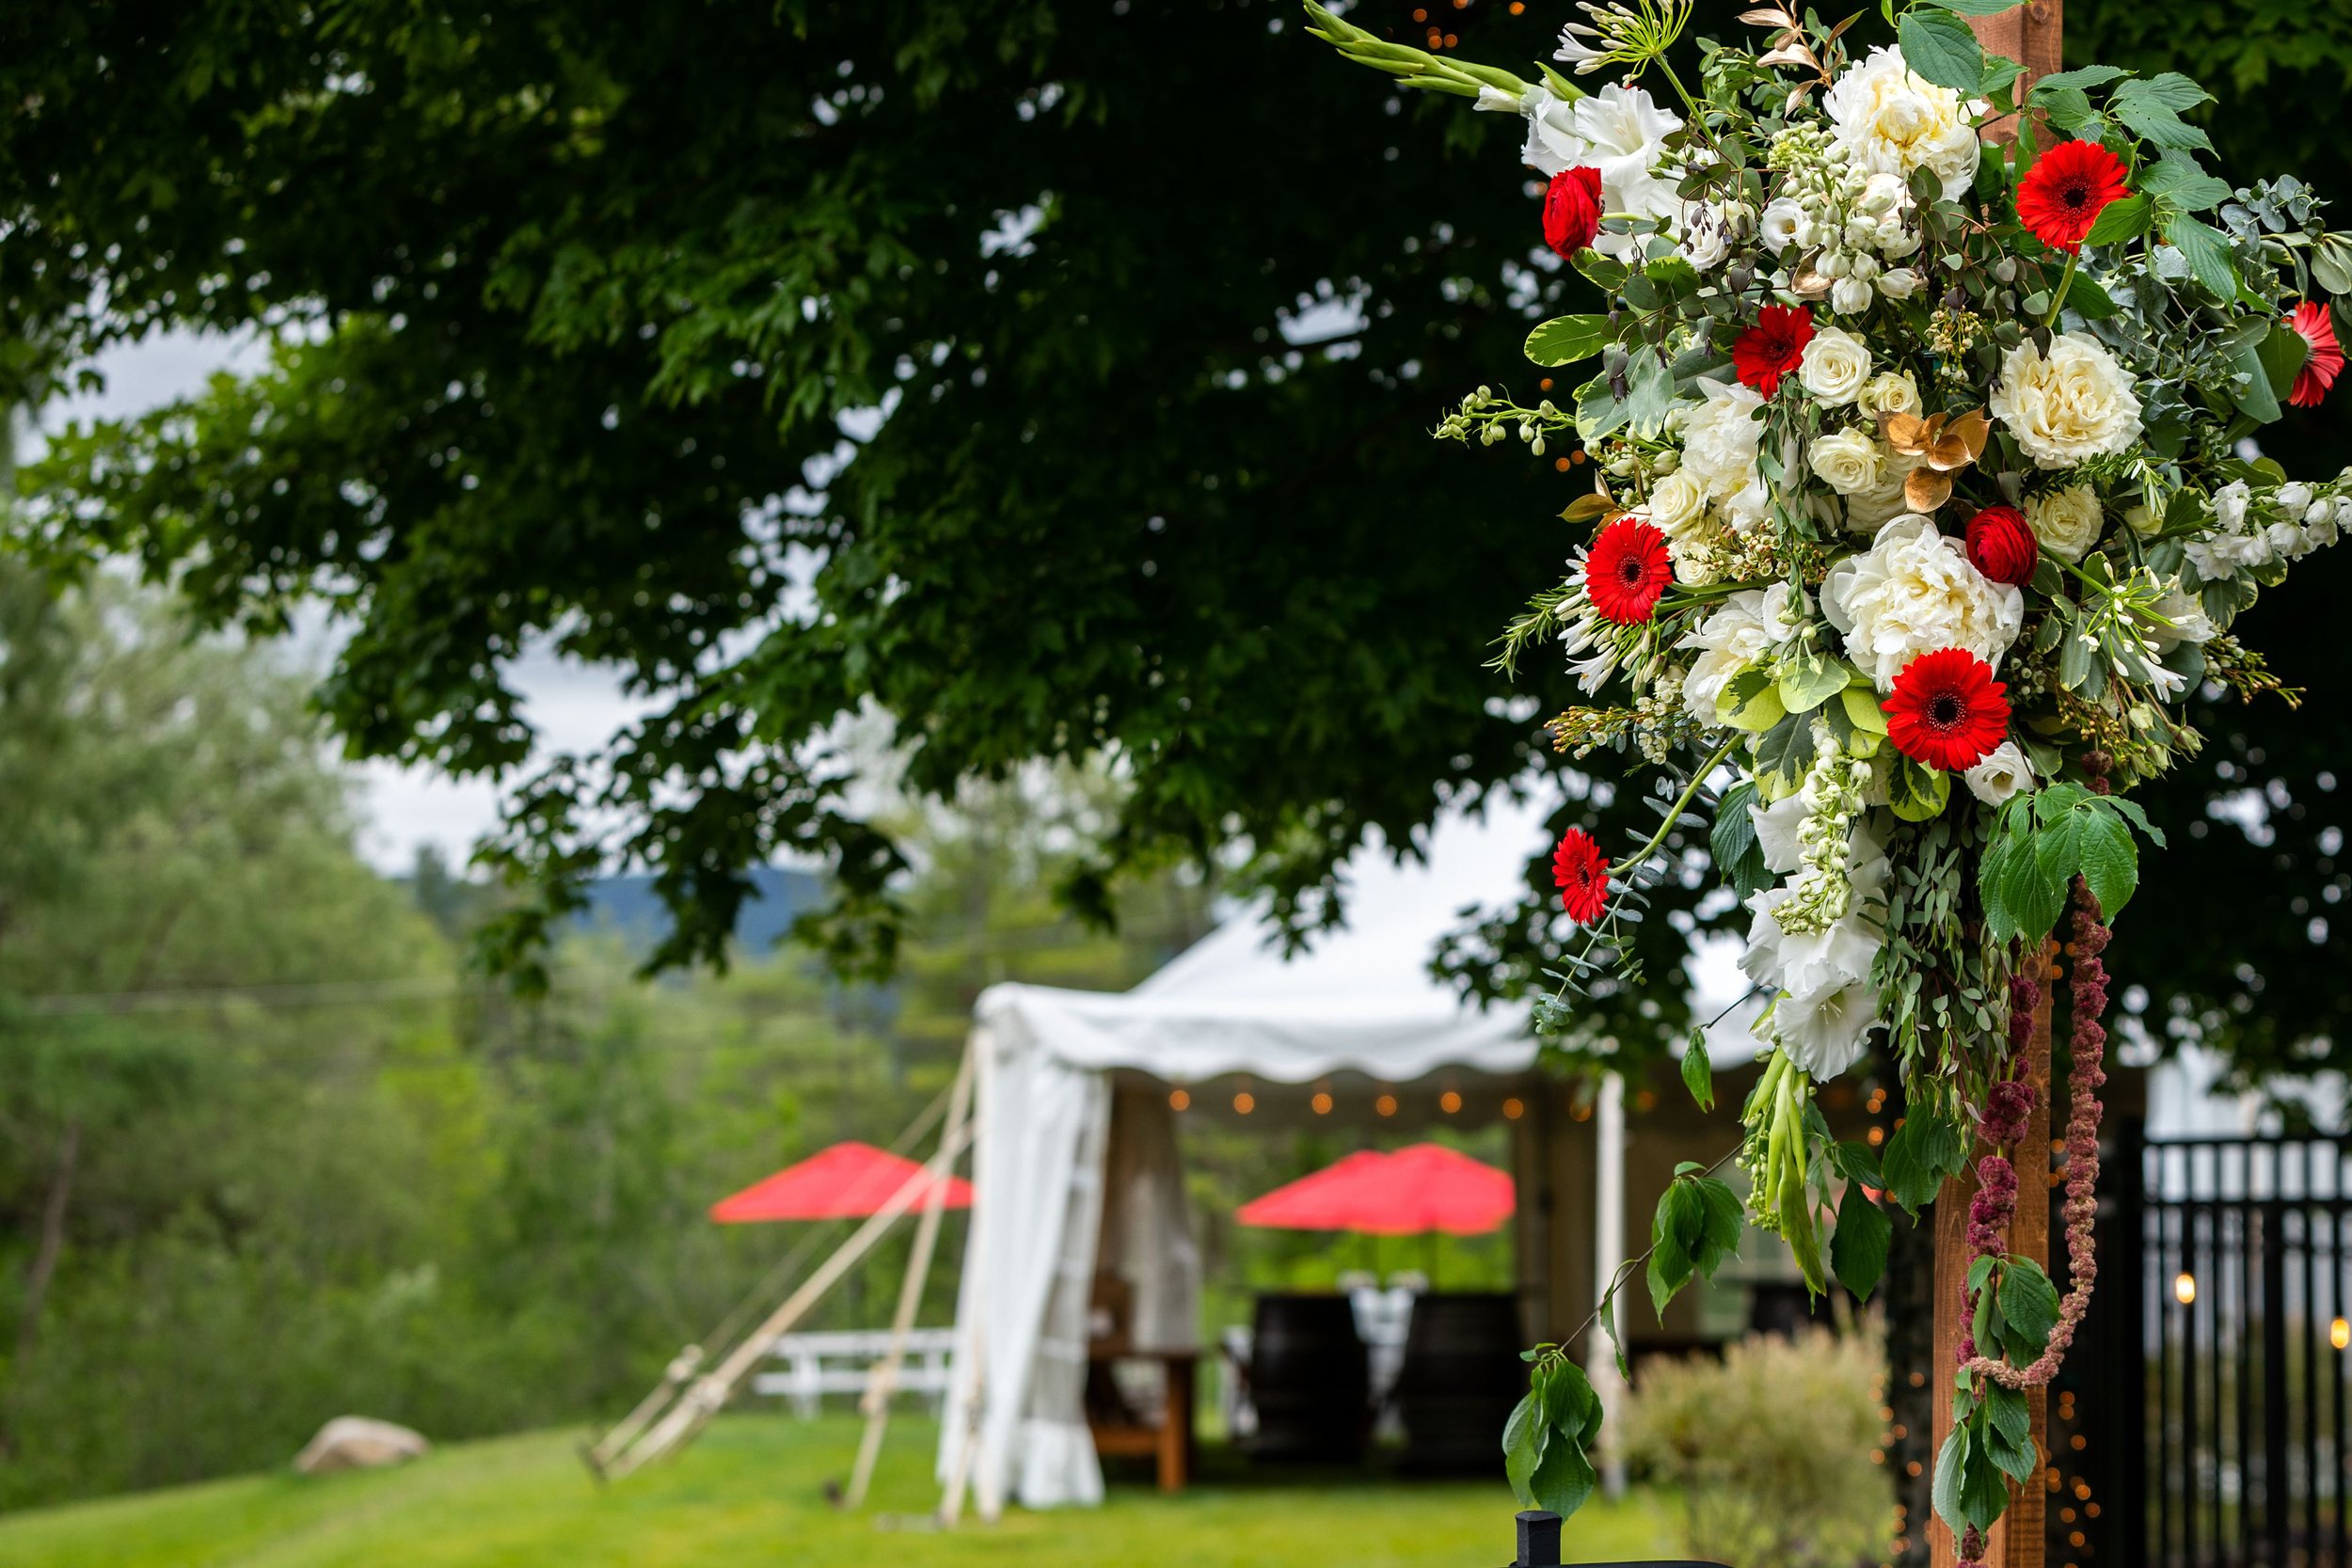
(850, 1181)
(1423, 1188)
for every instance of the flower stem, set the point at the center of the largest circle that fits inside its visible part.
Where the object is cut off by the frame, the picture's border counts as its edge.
(2066, 281)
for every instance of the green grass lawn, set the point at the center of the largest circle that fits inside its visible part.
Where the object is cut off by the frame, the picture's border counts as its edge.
(749, 1493)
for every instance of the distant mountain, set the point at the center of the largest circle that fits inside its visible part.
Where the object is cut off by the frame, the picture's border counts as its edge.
(630, 905)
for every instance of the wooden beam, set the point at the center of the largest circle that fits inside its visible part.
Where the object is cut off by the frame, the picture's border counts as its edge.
(2031, 35)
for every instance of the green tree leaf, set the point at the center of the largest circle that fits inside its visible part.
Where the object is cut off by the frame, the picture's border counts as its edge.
(1699, 1076)
(1566, 340)
(1857, 1251)
(2122, 220)
(1938, 46)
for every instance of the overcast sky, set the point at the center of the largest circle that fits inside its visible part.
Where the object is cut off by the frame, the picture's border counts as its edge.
(574, 707)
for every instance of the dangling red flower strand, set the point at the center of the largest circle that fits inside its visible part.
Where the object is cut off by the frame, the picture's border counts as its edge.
(1773, 347)
(1947, 710)
(2326, 360)
(1627, 571)
(2064, 192)
(1582, 873)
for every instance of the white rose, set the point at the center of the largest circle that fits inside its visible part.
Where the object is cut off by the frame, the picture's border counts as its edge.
(1899, 282)
(2142, 521)
(2075, 404)
(1777, 228)
(1677, 503)
(2003, 772)
(1892, 122)
(1888, 392)
(1720, 436)
(1835, 366)
(2068, 522)
(1848, 461)
(1915, 592)
(1733, 636)
(1850, 296)
(1868, 510)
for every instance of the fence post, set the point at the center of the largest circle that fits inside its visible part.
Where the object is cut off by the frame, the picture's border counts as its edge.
(1539, 1540)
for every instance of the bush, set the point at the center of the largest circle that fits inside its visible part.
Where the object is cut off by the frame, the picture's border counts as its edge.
(1770, 1449)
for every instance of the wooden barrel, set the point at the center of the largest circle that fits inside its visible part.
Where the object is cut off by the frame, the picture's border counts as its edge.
(1309, 1381)
(1462, 1375)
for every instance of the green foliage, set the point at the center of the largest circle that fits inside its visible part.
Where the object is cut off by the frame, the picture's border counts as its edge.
(2042, 841)
(1866, 1233)
(1927, 1147)
(1698, 1074)
(1769, 1450)
(1697, 1226)
(1548, 1443)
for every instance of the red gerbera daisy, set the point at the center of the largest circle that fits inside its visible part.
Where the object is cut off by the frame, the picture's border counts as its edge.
(2060, 197)
(2324, 363)
(1582, 873)
(1626, 571)
(1770, 349)
(1947, 710)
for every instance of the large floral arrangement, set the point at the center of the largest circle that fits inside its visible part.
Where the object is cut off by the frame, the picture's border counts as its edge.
(1927, 491)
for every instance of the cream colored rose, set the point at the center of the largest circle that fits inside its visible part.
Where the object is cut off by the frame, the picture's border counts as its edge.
(2075, 404)
(1676, 501)
(1835, 367)
(1892, 122)
(2068, 522)
(1888, 392)
(1848, 461)
(1912, 593)
(1870, 510)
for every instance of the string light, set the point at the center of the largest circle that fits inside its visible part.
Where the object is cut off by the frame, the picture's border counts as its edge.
(2184, 1289)
(2339, 1333)
(1178, 1100)
(1512, 1110)
(1245, 1103)
(1386, 1104)
(1321, 1103)
(1449, 1102)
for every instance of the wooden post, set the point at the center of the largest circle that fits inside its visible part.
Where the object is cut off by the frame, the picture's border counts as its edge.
(2031, 35)
(2016, 1542)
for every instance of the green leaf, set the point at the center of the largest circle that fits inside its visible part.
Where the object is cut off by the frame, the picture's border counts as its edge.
(2119, 220)
(2110, 861)
(1566, 340)
(2169, 90)
(1617, 1341)
(1725, 1222)
(1607, 272)
(1786, 750)
(2029, 1309)
(1950, 1464)
(2158, 125)
(1569, 1405)
(1856, 1162)
(2207, 255)
(1679, 1223)
(2087, 299)
(1862, 709)
(2176, 178)
(2078, 80)
(2008, 1433)
(1564, 1480)
(1699, 1076)
(2254, 394)
(2283, 353)
(1811, 679)
(1938, 46)
(1738, 856)
(1918, 793)
(1858, 1251)
(1649, 392)
(1523, 1439)
(1983, 1489)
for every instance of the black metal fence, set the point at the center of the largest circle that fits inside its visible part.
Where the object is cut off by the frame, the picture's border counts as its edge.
(2207, 1427)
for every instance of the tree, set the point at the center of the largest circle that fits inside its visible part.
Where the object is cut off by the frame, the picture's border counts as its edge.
(1053, 377)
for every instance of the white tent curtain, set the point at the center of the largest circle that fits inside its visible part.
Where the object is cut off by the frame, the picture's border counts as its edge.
(1146, 1223)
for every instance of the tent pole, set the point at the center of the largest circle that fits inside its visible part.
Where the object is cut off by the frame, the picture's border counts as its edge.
(883, 1380)
(1600, 1365)
(714, 1388)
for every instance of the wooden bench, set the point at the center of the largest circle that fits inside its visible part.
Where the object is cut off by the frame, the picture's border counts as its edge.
(842, 1362)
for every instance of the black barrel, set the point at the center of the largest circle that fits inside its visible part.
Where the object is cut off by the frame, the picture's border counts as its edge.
(1309, 1380)
(1462, 1375)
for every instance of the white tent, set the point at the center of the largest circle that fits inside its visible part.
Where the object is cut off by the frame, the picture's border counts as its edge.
(1359, 1001)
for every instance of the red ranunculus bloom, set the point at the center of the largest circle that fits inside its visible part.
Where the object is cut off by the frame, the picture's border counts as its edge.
(1572, 210)
(2001, 546)
(1626, 571)
(1770, 349)
(1582, 873)
(2324, 363)
(1947, 710)
(2060, 197)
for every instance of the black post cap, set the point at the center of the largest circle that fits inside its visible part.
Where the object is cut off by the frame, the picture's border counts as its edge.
(1539, 1538)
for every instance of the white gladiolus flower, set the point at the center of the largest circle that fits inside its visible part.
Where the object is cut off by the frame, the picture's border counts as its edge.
(1915, 592)
(1620, 131)
(1828, 1005)
(1720, 436)
(1835, 366)
(1825, 1033)
(1848, 461)
(1891, 122)
(1899, 282)
(2003, 772)
(2073, 405)
(2231, 547)
(1777, 227)
(1734, 635)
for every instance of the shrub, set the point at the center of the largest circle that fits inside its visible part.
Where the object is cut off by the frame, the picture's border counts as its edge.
(1771, 1449)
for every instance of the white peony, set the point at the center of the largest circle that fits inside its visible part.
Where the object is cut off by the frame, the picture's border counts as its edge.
(1888, 392)
(1848, 461)
(1620, 131)
(1736, 634)
(1721, 435)
(1835, 367)
(1892, 122)
(2068, 522)
(2075, 404)
(2003, 772)
(1913, 591)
